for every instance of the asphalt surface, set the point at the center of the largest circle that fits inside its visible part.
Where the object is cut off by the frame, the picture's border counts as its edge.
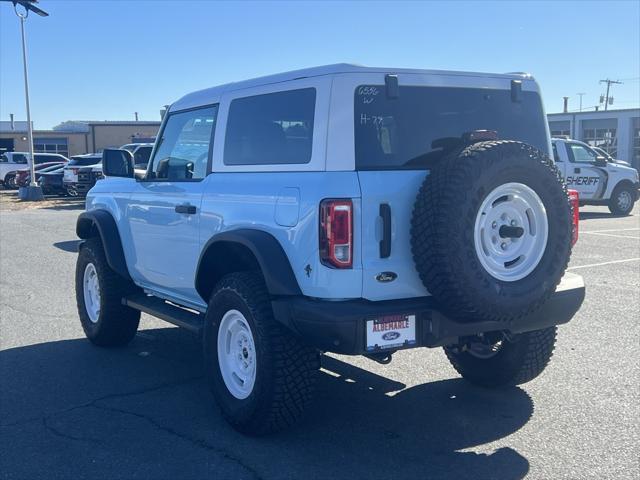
(70, 410)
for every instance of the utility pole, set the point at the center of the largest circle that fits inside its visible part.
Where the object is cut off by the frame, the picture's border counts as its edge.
(33, 192)
(607, 98)
(580, 94)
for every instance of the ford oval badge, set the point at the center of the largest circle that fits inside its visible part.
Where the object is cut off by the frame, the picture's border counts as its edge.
(390, 336)
(385, 277)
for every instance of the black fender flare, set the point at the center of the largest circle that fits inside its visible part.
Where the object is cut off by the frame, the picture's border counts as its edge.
(271, 258)
(102, 222)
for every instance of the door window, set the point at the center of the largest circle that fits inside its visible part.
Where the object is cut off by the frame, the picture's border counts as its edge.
(183, 149)
(580, 154)
(556, 157)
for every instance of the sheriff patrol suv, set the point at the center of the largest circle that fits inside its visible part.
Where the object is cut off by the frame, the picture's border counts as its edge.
(337, 209)
(597, 180)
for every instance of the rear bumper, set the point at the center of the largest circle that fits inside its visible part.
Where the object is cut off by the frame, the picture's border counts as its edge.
(339, 326)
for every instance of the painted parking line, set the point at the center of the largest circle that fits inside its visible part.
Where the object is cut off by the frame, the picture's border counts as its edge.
(611, 235)
(604, 263)
(611, 230)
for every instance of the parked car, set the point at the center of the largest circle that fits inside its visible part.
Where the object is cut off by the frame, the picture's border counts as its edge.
(86, 179)
(343, 209)
(12, 161)
(75, 165)
(141, 153)
(23, 177)
(598, 181)
(51, 182)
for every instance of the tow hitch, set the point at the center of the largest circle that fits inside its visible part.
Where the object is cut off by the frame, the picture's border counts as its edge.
(384, 358)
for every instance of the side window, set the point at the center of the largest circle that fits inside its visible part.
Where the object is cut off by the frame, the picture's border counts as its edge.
(141, 157)
(271, 129)
(4, 159)
(19, 158)
(579, 154)
(43, 159)
(556, 157)
(183, 149)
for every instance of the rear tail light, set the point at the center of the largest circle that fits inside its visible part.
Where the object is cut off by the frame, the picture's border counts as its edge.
(574, 198)
(75, 170)
(336, 233)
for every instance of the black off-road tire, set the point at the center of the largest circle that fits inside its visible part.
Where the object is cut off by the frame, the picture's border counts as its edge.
(613, 202)
(10, 181)
(443, 222)
(518, 361)
(117, 324)
(286, 369)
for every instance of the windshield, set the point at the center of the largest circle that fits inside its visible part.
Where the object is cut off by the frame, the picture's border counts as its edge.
(50, 168)
(424, 123)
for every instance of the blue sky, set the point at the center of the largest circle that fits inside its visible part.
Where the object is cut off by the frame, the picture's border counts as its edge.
(103, 60)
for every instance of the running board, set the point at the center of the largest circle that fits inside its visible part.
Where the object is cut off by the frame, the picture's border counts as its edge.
(157, 307)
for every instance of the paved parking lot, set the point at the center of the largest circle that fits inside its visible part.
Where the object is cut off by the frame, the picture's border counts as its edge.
(70, 410)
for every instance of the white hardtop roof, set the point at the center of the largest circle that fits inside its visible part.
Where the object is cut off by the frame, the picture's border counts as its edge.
(211, 95)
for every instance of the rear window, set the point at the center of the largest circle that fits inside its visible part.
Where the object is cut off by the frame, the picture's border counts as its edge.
(271, 129)
(424, 123)
(82, 162)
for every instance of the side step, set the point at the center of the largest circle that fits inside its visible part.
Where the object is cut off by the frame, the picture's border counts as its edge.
(157, 307)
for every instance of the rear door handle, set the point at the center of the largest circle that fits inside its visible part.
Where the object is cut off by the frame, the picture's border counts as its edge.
(186, 209)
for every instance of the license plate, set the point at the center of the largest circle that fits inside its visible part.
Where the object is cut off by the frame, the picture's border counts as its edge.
(391, 331)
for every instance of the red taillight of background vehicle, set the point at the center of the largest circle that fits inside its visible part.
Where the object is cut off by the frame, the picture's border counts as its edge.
(574, 198)
(336, 233)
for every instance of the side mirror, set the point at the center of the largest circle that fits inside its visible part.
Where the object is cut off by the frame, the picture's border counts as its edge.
(117, 163)
(600, 160)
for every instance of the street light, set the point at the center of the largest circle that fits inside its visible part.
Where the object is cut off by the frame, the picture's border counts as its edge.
(33, 192)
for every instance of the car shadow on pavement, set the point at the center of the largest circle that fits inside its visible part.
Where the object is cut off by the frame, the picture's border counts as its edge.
(145, 411)
(597, 215)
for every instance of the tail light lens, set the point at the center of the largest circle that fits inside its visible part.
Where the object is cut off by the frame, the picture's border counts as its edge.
(574, 198)
(336, 233)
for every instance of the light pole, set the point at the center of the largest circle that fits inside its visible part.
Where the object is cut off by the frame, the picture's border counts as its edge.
(33, 192)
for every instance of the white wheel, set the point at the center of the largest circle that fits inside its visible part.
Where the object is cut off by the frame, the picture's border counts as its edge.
(237, 354)
(91, 291)
(511, 231)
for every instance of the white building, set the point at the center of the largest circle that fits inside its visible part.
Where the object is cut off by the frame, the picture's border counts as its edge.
(616, 131)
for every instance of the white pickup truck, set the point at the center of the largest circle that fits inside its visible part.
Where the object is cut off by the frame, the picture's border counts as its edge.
(598, 181)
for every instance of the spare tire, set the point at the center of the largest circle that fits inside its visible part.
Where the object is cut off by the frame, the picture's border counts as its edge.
(491, 231)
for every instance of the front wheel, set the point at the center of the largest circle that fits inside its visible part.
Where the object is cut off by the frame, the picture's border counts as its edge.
(622, 200)
(262, 377)
(99, 292)
(497, 359)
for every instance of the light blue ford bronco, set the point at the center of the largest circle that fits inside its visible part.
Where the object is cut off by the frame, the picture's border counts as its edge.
(339, 209)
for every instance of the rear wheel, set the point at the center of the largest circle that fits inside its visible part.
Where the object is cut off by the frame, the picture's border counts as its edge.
(622, 200)
(262, 377)
(495, 360)
(10, 181)
(99, 292)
